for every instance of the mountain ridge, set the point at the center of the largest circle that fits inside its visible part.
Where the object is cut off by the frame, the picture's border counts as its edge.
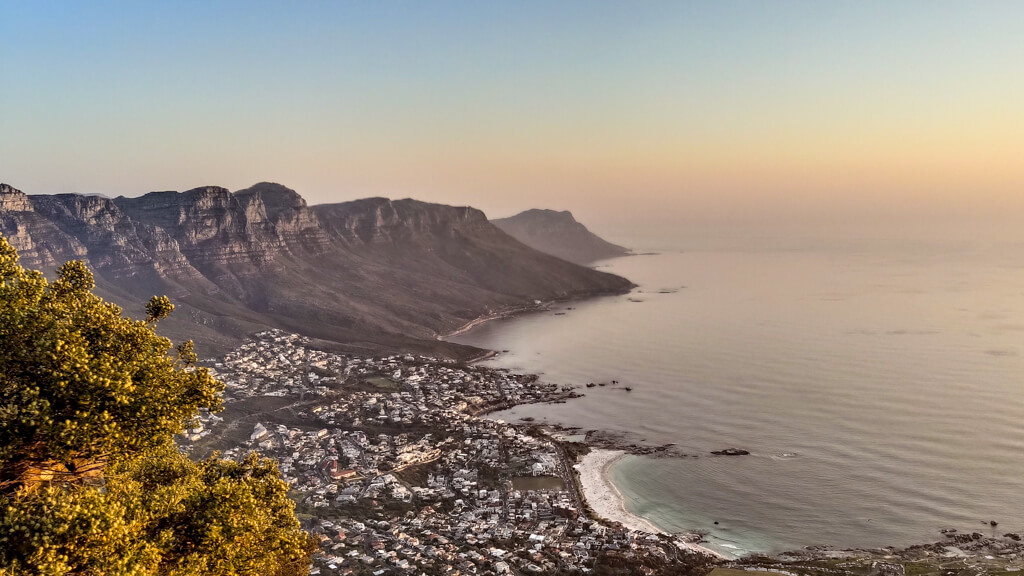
(369, 275)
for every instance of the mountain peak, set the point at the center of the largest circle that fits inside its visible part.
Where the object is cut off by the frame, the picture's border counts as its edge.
(275, 198)
(272, 190)
(559, 234)
(545, 213)
(8, 189)
(13, 200)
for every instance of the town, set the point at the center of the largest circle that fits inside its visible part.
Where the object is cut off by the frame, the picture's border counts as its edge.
(395, 467)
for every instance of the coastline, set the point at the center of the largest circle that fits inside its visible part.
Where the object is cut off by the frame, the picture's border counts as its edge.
(508, 313)
(607, 501)
(601, 495)
(537, 306)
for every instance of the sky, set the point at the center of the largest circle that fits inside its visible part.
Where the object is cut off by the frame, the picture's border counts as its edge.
(664, 114)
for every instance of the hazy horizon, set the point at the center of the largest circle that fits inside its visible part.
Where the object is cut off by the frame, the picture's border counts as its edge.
(650, 227)
(786, 117)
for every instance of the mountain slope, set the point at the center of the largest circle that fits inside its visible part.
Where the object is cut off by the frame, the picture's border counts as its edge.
(558, 234)
(373, 275)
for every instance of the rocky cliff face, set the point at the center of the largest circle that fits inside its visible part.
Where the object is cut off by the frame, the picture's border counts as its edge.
(558, 234)
(372, 274)
(38, 239)
(214, 226)
(379, 220)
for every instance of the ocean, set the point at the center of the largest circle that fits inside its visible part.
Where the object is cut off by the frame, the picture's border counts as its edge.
(877, 385)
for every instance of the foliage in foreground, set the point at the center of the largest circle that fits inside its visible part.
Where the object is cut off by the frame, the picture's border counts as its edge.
(90, 481)
(159, 514)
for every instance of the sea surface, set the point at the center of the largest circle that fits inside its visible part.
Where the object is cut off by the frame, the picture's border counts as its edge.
(878, 385)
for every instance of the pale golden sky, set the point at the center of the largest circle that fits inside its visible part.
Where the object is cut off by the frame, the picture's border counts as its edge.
(701, 113)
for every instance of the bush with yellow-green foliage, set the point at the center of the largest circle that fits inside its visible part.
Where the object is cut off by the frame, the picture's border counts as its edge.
(90, 480)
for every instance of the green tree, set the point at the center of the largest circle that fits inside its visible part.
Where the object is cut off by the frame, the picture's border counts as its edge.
(90, 480)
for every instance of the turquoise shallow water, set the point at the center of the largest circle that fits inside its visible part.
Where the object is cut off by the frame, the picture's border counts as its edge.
(877, 386)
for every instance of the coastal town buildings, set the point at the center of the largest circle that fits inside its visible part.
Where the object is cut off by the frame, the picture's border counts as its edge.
(395, 469)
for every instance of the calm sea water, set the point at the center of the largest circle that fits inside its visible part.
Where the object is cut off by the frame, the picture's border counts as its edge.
(878, 386)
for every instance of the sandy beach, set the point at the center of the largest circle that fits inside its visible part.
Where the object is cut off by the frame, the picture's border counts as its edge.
(606, 500)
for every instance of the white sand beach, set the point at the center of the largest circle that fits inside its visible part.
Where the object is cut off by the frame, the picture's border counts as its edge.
(608, 503)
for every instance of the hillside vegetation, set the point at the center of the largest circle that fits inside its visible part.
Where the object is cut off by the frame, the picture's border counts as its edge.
(90, 480)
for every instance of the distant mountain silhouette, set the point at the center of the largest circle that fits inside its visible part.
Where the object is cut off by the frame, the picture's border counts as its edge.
(558, 234)
(374, 275)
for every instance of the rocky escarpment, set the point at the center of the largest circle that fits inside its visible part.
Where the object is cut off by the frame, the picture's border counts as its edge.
(38, 239)
(372, 274)
(558, 234)
(215, 226)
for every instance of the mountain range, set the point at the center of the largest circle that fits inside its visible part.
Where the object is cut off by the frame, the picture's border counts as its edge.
(368, 276)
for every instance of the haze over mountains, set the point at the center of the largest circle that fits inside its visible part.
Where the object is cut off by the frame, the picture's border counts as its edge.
(559, 234)
(372, 274)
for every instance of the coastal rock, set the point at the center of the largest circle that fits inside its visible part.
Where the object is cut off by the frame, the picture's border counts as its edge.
(730, 452)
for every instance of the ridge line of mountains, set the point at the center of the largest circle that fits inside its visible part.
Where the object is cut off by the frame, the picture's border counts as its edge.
(367, 276)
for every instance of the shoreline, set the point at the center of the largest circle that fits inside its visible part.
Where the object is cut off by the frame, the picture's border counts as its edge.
(494, 316)
(537, 306)
(607, 502)
(600, 494)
